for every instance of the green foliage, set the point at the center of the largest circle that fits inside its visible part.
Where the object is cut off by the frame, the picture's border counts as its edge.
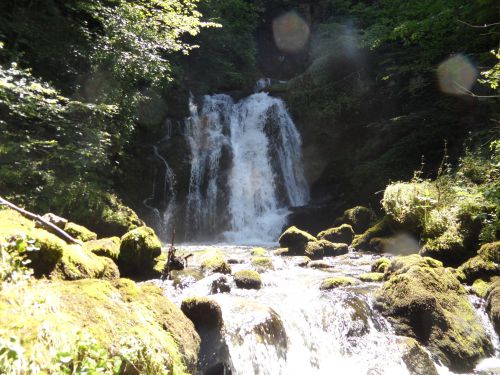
(492, 76)
(13, 260)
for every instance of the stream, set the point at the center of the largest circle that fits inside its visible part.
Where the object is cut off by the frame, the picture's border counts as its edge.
(291, 327)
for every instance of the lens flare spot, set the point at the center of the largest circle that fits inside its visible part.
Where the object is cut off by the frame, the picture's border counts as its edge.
(291, 32)
(456, 75)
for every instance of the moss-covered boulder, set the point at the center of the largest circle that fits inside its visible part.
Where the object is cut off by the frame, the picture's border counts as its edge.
(371, 277)
(106, 247)
(490, 252)
(248, 279)
(342, 234)
(120, 316)
(138, 249)
(402, 264)
(426, 301)
(383, 228)
(262, 263)
(78, 263)
(337, 282)
(493, 304)
(206, 315)
(359, 217)
(314, 250)
(478, 268)
(480, 288)
(215, 264)
(295, 240)
(79, 232)
(331, 249)
(281, 251)
(258, 252)
(381, 265)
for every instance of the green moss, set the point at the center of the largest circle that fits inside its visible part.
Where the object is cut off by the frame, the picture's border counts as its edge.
(371, 277)
(314, 250)
(107, 247)
(281, 251)
(341, 234)
(248, 279)
(447, 247)
(382, 228)
(262, 263)
(477, 268)
(79, 232)
(121, 316)
(216, 264)
(295, 239)
(78, 263)
(333, 249)
(427, 302)
(259, 252)
(117, 219)
(138, 250)
(359, 217)
(381, 265)
(490, 252)
(336, 282)
(402, 264)
(480, 288)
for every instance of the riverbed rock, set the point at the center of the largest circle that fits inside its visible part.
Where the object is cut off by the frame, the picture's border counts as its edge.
(281, 251)
(138, 250)
(381, 265)
(79, 232)
(119, 315)
(424, 300)
(416, 359)
(331, 249)
(106, 247)
(371, 277)
(261, 263)
(493, 304)
(221, 284)
(319, 264)
(248, 279)
(215, 264)
(383, 228)
(359, 217)
(258, 252)
(314, 250)
(342, 234)
(336, 282)
(206, 315)
(295, 240)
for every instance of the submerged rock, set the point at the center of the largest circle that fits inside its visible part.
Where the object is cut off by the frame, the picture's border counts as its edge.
(262, 263)
(342, 234)
(381, 265)
(318, 264)
(258, 252)
(371, 277)
(295, 240)
(138, 251)
(79, 232)
(424, 300)
(336, 282)
(248, 279)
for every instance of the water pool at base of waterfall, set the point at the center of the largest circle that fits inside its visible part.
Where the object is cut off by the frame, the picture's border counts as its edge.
(290, 326)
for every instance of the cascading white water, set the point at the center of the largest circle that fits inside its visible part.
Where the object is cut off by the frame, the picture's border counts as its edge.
(247, 199)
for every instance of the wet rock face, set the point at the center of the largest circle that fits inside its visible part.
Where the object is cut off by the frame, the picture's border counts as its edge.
(206, 316)
(424, 300)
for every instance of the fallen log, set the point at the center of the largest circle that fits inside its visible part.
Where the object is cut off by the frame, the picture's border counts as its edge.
(53, 228)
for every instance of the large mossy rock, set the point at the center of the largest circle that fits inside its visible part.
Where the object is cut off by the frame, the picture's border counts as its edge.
(138, 251)
(383, 228)
(106, 247)
(116, 218)
(359, 217)
(341, 234)
(120, 316)
(215, 264)
(483, 266)
(295, 240)
(79, 232)
(425, 301)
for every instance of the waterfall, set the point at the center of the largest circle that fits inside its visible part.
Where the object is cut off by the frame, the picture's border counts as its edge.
(246, 169)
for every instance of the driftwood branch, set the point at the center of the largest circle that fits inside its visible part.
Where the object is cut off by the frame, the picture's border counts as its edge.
(55, 229)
